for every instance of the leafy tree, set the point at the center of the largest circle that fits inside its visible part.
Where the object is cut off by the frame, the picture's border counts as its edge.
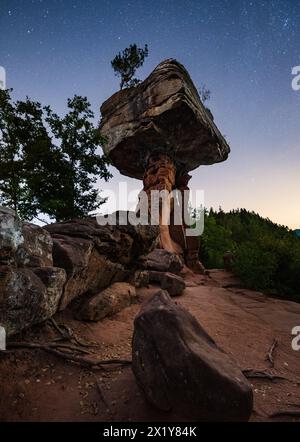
(49, 164)
(255, 267)
(127, 62)
(266, 255)
(10, 160)
(73, 195)
(21, 127)
(215, 241)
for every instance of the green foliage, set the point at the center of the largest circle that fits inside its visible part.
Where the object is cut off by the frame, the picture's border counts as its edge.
(204, 93)
(255, 266)
(21, 127)
(80, 163)
(215, 241)
(266, 255)
(49, 164)
(127, 62)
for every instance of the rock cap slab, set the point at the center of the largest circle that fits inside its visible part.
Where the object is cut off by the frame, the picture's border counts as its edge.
(163, 113)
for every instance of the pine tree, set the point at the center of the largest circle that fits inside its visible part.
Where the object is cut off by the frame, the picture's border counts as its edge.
(127, 62)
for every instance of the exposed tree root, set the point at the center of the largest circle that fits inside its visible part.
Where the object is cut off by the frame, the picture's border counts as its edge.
(269, 356)
(279, 413)
(68, 334)
(52, 348)
(261, 374)
(101, 394)
(68, 347)
(252, 373)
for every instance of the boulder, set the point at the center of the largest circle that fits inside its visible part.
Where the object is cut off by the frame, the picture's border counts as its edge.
(162, 261)
(165, 112)
(54, 279)
(30, 287)
(140, 278)
(108, 302)
(36, 250)
(95, 256)
(43, 269)
(145, 237)
(23, 244)
(120, 243)
(174, 284)
(108, 240)
(180, 368)
(11, 236)
(28, 298)
(87, 270)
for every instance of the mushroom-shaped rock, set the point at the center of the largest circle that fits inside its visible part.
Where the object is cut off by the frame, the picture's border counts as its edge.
(158, 132)
(164, 113)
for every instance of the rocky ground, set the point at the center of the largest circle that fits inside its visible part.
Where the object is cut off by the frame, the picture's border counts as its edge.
(37, 386)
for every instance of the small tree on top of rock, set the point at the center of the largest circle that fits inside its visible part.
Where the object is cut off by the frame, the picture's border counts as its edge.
(204, 93)
(127, 62)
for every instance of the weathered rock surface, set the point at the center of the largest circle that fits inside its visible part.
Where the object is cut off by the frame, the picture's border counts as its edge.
(30, 287)
(109, 302)
(10, 236)
(121, 243)
(87, 270)
(95, 256)
(43, 269)
(36, 249)
(162, 261)
(27, 299)
(140, 278)
(165, 112)
(54, 279)
(180, 368)
(174, 284)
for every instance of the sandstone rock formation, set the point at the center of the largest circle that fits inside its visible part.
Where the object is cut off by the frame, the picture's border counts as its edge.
(158, 131)
(164, 112)
(30, 290)
(140, 278)
(108, 302)
(179, 367)
(87, 270)
(95, 256)
(36, 250)
(174, 284)
(43, 269)
(162, 261)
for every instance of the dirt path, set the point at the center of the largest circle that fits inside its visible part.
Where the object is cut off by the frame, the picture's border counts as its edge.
(36, 386)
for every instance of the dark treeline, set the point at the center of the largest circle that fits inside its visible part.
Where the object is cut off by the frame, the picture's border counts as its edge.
(266, 255)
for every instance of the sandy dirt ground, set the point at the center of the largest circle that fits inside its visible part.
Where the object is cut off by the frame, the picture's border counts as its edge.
(37, 386)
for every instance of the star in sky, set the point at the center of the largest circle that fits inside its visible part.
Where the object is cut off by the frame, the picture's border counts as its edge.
(243, 50)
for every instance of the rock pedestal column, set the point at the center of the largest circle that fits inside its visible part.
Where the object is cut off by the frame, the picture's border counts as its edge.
(161, 175)
(192, 243)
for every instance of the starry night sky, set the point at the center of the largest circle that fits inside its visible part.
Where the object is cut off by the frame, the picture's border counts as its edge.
(242, 50)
